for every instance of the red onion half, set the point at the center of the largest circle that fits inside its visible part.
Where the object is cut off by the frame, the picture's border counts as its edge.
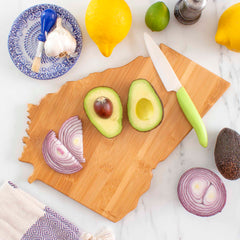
(201, 192)
(57, 156)
(71, 136)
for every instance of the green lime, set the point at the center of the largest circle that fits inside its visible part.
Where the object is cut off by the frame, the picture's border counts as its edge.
(157, 16)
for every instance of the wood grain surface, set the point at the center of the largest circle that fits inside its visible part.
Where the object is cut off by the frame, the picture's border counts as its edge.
(119, 170)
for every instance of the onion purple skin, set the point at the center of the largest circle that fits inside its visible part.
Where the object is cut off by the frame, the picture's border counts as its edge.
(65, 163)
(70, 130)
(186, 195)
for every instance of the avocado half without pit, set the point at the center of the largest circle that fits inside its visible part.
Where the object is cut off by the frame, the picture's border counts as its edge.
(144, 107)
(104, 109)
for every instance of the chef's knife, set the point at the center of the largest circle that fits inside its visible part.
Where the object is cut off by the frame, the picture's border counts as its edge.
(171, 83)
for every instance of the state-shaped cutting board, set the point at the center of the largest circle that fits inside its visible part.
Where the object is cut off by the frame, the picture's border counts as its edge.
(119, 170)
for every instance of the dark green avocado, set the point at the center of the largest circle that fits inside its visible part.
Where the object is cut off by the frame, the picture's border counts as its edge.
(227, 153)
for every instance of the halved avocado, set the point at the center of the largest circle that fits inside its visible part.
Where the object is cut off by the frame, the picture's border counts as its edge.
(145, 109)
(111, 126)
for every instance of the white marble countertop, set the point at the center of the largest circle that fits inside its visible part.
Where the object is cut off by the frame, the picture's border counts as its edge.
(159, 215)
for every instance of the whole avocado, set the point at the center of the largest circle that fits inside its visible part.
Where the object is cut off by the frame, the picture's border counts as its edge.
(227, 153)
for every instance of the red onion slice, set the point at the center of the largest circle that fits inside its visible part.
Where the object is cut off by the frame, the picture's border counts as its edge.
(57, 156)
(71, 135)
(201, 192)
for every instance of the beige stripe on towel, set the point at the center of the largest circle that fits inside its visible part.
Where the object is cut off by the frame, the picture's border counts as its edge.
(18, 212)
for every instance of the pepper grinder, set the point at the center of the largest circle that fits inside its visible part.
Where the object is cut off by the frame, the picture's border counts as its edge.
(189, 11)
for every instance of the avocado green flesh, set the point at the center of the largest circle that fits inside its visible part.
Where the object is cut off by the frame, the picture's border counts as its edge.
(145, 110)
(109, 127)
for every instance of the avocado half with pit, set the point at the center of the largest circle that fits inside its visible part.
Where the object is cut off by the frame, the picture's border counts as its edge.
(104, 109)
(144, 107)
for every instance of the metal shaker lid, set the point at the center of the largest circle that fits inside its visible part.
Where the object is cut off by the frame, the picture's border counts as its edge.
(196, 5)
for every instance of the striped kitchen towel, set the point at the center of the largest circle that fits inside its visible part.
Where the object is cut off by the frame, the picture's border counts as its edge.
(22, 217)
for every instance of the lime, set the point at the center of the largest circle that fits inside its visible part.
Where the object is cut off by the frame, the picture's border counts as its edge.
(157, 16)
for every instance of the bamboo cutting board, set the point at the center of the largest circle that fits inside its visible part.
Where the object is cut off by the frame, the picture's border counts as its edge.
(119, 170)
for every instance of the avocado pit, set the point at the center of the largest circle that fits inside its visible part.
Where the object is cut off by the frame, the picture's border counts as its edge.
(104, 110)
(103, 107)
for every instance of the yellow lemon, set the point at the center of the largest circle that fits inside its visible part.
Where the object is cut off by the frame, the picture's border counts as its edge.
(108, 23)
(228, 32)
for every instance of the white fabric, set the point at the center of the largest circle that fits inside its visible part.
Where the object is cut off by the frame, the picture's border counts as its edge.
(18, 212)
(105, 234)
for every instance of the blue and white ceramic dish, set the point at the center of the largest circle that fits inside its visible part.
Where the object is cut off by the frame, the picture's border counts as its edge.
(22, 43)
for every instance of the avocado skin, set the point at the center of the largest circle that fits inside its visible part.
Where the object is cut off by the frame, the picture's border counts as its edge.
(88, 109)
(142, 79)
(227, 153)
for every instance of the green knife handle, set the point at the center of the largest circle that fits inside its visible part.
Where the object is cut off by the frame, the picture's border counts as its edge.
(192, 116)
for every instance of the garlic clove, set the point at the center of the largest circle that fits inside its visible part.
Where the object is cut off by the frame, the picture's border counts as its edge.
(60, 42)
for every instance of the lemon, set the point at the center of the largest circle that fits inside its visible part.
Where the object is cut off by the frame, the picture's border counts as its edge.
(157, 16)
(228, 33)
(108, 23)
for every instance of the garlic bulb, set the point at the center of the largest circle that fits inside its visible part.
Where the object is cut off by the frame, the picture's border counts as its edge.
(60, 42)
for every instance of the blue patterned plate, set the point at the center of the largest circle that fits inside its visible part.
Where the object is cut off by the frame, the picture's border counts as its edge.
(22, 43)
